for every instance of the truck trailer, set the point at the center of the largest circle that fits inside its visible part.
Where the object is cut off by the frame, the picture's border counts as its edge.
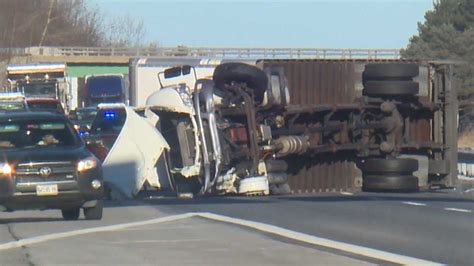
(281, 126)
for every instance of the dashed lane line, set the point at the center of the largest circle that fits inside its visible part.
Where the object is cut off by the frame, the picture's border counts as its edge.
(347, 193)
(469, 190)
(267, 228)
(458, 210)
(414, 203)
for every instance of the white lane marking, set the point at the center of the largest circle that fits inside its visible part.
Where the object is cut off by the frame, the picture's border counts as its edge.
(347, 193)
(413, 203)
(360, 250)
(458, 210)
(108, 228)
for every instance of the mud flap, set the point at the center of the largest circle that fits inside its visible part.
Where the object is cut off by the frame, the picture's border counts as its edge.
(132, 160)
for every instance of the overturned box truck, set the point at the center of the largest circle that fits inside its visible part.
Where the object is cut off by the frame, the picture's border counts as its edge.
(282, 126)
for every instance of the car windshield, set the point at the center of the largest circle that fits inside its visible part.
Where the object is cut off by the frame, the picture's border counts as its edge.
(109, 121)
(34, 133)
(36, 89)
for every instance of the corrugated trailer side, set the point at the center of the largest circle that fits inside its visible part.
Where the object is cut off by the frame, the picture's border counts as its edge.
(340, 82)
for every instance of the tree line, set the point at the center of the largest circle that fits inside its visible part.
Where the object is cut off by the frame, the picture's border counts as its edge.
(25, 23)
(446, 33)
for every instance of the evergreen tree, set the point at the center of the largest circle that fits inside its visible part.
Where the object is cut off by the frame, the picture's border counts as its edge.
(447, 33)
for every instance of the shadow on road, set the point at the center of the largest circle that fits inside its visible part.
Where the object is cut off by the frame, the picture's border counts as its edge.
(171, 200)
(424, 197)
(30, 220)
(168, 200)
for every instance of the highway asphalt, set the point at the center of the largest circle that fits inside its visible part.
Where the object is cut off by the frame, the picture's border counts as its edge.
(436, 227)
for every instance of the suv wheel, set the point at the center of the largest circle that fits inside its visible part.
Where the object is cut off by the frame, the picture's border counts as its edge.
(94, 213)
(390, 80)
(71, 214)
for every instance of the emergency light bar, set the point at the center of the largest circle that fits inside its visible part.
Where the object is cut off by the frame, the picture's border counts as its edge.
(110, 105)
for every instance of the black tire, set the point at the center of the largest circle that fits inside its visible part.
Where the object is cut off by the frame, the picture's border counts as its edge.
(94, 213)
(283, 83)
(254, 77)
(71, 214)
(276, 166)
(389, 166)
(402, 183)
(391, 88)
(391, 175)
(191, 186)
(390, 71)
(282, 189)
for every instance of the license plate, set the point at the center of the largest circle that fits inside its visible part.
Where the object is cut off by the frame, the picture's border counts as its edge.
(47, 190)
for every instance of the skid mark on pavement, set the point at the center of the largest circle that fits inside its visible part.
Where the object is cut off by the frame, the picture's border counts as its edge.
(267, 228)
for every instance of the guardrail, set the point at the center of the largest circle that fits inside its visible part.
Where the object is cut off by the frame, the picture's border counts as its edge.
(257, 53)
(466, 163)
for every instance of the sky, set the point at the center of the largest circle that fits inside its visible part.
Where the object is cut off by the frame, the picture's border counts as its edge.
(278, 24)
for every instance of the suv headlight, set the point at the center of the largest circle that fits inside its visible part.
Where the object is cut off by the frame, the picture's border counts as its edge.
(6, 169)
(86, 164)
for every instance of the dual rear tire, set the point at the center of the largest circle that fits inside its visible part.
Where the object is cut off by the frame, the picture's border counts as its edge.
(390, 80)
(389, 175)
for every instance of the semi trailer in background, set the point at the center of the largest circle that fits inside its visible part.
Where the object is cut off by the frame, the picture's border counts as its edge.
(275, 126)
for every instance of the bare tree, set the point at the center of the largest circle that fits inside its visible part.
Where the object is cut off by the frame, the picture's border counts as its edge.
(48, 22)
(124, 31)
(26, 23)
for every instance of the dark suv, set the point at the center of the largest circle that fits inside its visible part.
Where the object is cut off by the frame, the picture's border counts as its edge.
(45, 165)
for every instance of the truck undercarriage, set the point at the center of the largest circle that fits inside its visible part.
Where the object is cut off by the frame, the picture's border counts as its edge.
(238, 133)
